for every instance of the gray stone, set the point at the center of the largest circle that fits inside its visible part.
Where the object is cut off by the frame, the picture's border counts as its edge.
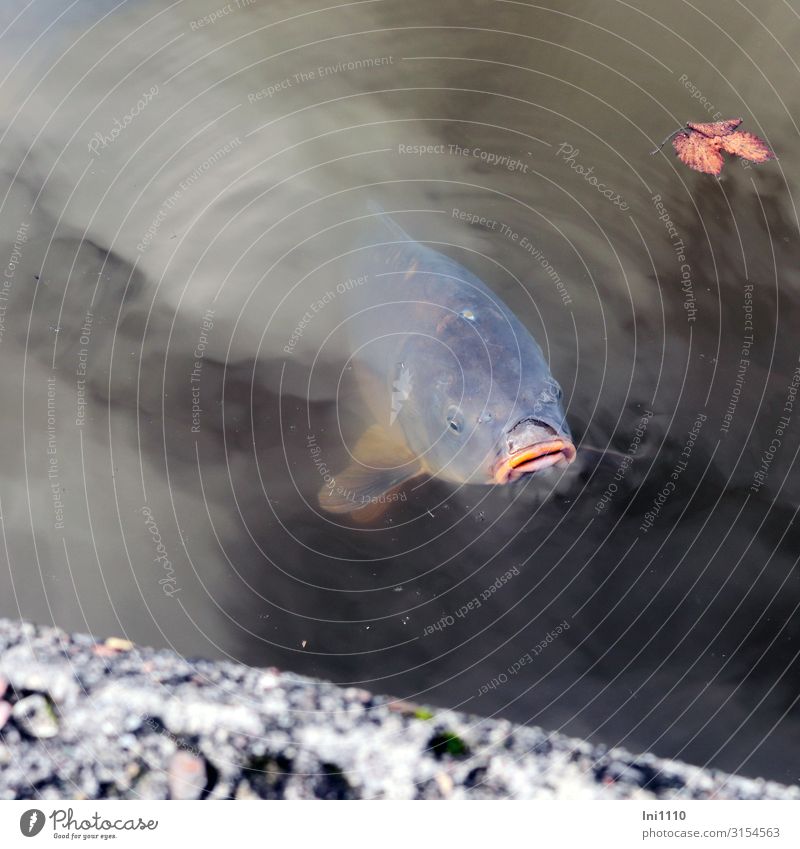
(150, 724)
(187, 776)
(35, 716)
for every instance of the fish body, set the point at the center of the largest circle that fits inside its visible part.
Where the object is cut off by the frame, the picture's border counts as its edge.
(457, 386)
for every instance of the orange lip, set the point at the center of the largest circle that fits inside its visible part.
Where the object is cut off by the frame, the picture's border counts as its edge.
(533, 458)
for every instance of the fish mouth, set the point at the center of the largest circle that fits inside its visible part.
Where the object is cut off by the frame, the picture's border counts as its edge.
(532, 446)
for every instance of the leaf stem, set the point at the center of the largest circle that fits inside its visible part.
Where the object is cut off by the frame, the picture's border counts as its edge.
(670, 136)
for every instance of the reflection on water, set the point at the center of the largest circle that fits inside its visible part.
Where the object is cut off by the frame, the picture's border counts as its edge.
(182, 186)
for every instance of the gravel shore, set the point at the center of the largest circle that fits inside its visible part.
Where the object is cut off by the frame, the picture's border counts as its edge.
(81, 719)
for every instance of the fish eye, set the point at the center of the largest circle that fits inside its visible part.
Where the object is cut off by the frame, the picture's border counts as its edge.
(455, 421)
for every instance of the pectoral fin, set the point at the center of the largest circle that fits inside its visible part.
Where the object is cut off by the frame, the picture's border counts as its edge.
(382, 462)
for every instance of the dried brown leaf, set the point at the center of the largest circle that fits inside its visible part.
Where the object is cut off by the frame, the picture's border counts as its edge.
(747, 146)
(718, 128)
(699, 152)
(700, 146)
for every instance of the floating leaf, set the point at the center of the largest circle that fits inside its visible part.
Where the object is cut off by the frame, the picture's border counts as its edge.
(719, 128)
(747, 146)
(700, 146)
(699, 152)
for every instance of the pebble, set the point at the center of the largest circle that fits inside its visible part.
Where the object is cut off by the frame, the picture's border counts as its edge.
(3, 686)
(403, 707)
(103, 651)
(445, 784)
(5, 713)
(244, 792)
(187, 776)
(34, 715)
(118, 644)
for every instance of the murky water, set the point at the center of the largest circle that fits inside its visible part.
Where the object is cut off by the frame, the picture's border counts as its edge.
(181, 186)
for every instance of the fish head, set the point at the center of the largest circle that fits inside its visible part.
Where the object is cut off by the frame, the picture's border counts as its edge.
(532, 445)
(481, 404)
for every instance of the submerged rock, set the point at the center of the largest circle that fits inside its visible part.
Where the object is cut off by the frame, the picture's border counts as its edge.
(35, 716)
(5, 713)
(187, 776)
